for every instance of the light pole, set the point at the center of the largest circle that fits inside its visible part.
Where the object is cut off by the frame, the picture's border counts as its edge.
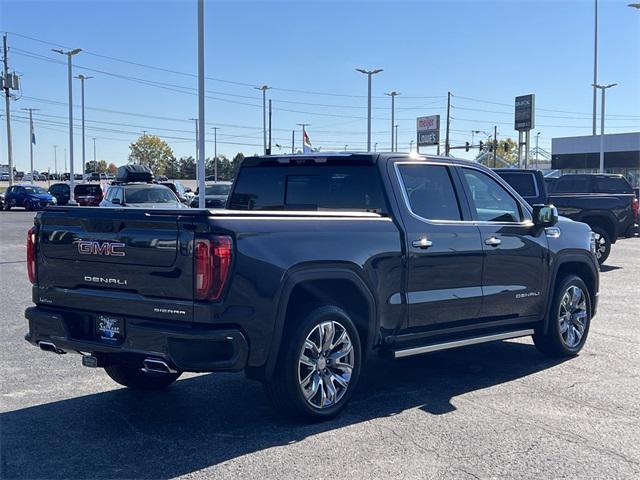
(604, 89)
(95, 165)
(410, 146)
(55, 159)
(595, 65)
(215, 153)
(82, 79)
(201, 93)
(375, 147)
(393, 95)
(537, 137)
(369, 74)
(69, 54)
(395, 147)
(345, 147)
(264, 89)
(31, 137)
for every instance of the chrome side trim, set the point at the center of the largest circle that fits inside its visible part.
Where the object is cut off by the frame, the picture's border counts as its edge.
(461, 343)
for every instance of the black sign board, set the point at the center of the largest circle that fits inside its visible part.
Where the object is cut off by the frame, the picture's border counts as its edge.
(525, 112)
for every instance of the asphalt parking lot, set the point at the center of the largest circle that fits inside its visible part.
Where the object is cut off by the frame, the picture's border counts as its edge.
(497, 410)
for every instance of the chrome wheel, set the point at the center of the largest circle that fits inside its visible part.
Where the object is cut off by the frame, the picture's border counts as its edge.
(601, 245)
(572, 316)
(325, 364)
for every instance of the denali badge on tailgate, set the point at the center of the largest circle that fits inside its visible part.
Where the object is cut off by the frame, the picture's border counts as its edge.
(92, 247)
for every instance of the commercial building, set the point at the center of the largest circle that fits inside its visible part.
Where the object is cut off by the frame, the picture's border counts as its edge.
(582, 155)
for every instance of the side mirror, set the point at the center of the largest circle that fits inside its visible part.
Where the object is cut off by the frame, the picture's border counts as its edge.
(187, 190)
(545, 216)
(116, 201)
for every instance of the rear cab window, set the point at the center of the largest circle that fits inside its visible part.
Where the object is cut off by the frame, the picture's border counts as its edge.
(611, 185)
(329, 185)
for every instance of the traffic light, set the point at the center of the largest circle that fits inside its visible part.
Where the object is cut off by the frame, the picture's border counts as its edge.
(481, 146)
(506, 147)
(466, 146)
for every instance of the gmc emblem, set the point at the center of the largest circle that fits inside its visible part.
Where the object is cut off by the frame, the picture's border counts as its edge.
(91, 247)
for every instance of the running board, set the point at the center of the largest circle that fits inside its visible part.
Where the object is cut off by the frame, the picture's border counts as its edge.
(461, 343)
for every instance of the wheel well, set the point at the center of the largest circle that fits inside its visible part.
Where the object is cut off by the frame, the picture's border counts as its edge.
(343, 293)
(581, 270)
(603, 222)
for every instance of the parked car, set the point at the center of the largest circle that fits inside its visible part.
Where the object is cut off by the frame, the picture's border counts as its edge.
(88, 195)
(177, 189)
(30, 197)
(61, 192)
(141, 195)
(4, 177)
(607, 203)
(324, 260)
(92, 177)
(216, 195)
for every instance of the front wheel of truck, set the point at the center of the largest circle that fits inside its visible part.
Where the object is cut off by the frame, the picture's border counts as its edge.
(318, 366)
(136, 378)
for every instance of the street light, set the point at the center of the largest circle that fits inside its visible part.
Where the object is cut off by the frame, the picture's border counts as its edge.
(634, 5)
(69, 54)
(595, 65)
(82, 79)
(375, 147)
(604, 89)
(215, 153)
(393, 111)
(369, 74)
(264, 89)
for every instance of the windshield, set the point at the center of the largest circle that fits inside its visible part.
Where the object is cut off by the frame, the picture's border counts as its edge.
(149, 195)
(37, 190)
(217, 189)
(88, 190)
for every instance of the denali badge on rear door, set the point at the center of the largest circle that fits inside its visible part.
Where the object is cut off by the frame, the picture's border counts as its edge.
(112, 281)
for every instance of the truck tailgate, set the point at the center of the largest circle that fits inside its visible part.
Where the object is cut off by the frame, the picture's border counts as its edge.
(127, 261)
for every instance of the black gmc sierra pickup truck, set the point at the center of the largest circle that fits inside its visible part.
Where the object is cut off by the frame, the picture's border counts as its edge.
(605, 202)
(318, 261)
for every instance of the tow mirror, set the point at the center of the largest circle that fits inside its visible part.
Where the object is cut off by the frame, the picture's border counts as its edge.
(545, 215)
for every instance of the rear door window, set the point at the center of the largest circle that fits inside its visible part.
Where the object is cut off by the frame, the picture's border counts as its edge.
(612, 185)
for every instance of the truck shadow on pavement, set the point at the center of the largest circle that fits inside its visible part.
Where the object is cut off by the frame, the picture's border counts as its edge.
(205, 420)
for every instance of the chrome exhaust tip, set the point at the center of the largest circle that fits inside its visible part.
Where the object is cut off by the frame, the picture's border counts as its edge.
(50, 347)
(154, 365)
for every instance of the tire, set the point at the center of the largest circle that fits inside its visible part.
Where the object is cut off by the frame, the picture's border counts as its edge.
(136, 378)
(27, 206)
(569, 320)
(6, 207)
(603, 244)
(299, 359)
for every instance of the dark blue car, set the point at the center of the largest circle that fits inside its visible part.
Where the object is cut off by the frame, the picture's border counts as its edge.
(30, 197)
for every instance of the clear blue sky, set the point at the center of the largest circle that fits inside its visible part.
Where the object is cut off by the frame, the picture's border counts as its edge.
(487, 51)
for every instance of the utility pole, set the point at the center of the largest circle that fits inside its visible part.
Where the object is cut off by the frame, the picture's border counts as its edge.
(375, 147)
(537, 137)
(595, 65)
(293, 141)
(7, 106)
(369, 74)
(82, 79)
(303, 125)
(446, 141)
(410, 146)
(264, 89)
(215, 153)
(604, 89)
(269, 144)
(31, 136)
(69, 55)
(95, 164)
(201, 93)
(393, 95)
(55, 159)
(65, 159)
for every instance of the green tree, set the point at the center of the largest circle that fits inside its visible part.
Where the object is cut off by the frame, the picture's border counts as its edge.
(152, 152)
(172, 169)
(187, 167)
(507, 150)
(237, 161)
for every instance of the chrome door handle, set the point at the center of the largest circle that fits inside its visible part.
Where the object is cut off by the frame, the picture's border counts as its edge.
(493, 241)
(422, 243)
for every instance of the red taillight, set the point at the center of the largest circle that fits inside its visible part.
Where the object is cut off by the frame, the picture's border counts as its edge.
(212, 263)
(31, 255)
(634, 206)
